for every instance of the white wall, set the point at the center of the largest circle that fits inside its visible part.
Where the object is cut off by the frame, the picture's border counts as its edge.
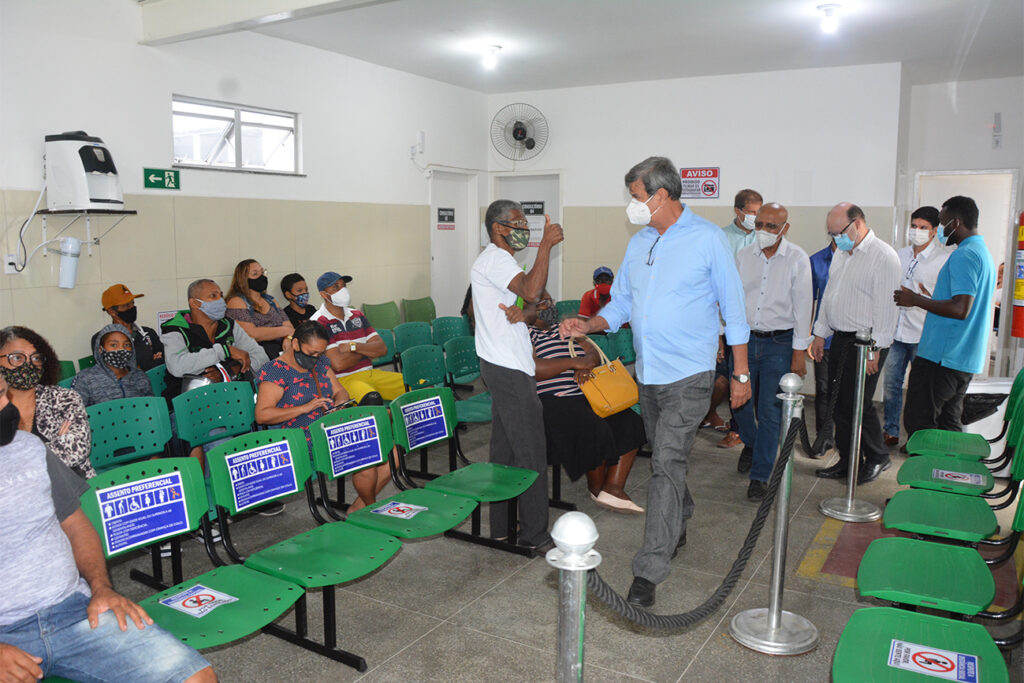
(805, 138)
(78, 65)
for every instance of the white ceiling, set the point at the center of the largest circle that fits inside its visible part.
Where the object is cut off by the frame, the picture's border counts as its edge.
(565, 43)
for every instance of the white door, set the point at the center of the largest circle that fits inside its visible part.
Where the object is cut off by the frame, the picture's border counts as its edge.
(531, 190)
(453, 220)
(994, 192)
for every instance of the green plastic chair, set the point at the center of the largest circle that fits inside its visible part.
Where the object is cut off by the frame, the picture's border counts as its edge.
(408, 335)
(419, 310)
(461, 361)
(422, 366)
(86, 362)
(449, 328)
(66, 382)
(864, 649)
(67, 368)
(482, 482)
(622, 345)
(158, 379)
(568, 308)
(261, 599)
(389, 356)
(603, 343)
(269, 466)
(214, 411)
(128, 429)
(384, 315)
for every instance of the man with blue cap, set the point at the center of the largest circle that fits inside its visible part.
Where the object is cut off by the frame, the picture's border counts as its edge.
(597, 298)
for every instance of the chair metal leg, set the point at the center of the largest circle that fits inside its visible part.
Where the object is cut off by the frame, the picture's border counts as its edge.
(511, 545)
(328, 648)
(556, 490)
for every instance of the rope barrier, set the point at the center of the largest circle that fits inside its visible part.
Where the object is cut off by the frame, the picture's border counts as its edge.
(607, 595)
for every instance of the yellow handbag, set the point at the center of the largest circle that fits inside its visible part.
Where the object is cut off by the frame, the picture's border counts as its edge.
(610, 388)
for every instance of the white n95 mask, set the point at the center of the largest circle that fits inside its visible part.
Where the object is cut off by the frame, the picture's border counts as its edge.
(341, 298)
(765, 239)
(638, 212)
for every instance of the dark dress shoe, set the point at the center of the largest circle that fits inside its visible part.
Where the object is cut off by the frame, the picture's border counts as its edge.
(641, 593)
(891, 441)
(871, 470)
(756, 490)
(682, 542)
(746, 460)
(837, 471)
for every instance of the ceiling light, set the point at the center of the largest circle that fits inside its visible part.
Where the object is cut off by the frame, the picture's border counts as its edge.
(829, 22)
(490, 59)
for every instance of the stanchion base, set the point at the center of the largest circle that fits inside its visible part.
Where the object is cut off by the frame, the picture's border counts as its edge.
(794, 636)
(850, 511)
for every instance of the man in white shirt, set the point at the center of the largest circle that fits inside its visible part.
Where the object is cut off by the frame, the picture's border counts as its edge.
(776, 277)
(858, 296)
(920, 263)
(506, 362)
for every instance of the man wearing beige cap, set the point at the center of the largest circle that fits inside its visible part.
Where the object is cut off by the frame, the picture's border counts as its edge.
(119, 303)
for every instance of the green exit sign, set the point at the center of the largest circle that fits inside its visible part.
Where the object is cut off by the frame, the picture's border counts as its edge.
(161, 179)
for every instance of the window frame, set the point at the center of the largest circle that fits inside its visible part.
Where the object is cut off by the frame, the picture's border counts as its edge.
(236, 124)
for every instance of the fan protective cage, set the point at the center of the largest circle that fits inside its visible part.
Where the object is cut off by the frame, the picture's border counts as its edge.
(505, 121)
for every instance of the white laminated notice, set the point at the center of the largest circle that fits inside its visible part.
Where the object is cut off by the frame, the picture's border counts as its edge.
(400, 510)
(930, 661)
(198, 601)
(958, 477)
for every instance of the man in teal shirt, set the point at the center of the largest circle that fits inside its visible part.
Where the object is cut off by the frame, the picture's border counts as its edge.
(954, 342)
(740, 232)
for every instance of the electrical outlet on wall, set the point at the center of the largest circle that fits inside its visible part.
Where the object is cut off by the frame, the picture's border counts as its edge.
(9, 262)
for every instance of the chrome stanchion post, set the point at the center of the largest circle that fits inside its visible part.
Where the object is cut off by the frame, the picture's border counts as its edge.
(849, 509)
(775, 631)
(574, 535)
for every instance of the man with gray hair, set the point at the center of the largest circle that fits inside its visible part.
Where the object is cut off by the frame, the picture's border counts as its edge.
(506, 362)
(677, 274)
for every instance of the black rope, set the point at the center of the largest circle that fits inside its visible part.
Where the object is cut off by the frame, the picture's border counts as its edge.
(826, 436)
(605, 593)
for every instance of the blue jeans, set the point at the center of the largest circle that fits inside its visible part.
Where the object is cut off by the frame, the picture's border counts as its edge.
(70, 649)
(900, 356)
(759, 418)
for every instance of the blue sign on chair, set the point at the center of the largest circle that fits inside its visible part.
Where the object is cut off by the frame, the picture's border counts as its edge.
(142, 511)
(261, 474)
(353, 445)
(424, 422)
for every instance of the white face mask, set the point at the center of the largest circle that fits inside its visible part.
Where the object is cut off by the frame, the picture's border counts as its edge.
(748, 220)
(638, 212)
(341, 298)
(765, 239)
(919, 236)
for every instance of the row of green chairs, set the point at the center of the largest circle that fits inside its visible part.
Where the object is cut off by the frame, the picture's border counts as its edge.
(67, 368)
(387, 316)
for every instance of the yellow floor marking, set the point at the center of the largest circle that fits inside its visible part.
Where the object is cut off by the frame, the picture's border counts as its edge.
(817, 554)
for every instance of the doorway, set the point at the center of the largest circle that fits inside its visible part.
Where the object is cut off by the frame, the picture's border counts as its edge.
(539, 194)
(453, 219)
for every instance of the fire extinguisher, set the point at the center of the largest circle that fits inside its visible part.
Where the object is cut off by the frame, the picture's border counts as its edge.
(1018, 282)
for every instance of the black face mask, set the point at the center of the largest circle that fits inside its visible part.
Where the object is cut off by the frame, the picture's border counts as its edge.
(9, 419)
(129, 316)
(305, 361)
(258, 284)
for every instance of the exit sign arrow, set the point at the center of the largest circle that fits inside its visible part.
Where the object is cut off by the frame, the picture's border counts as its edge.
(161, 179)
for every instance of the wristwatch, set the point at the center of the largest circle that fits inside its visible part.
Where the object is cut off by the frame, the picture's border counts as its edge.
(352, 347)
(742, 379)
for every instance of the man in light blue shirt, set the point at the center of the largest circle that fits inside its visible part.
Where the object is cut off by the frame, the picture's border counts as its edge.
(954, 341)
(677, 274)
(740, 231)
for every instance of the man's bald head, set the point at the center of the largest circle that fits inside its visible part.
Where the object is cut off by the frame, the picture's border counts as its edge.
(774, 213)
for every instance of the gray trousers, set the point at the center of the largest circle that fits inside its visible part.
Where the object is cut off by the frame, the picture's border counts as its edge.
(672, 414)
(517, 438)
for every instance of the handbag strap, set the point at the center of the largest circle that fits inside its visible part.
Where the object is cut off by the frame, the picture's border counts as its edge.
(572, 351)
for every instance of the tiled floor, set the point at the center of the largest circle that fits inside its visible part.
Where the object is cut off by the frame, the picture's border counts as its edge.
(445, 610)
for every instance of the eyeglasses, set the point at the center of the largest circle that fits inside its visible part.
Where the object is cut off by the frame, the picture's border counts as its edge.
(650, 254)
(519, 225)
(837, 234)
(17, 359)
(770, 227)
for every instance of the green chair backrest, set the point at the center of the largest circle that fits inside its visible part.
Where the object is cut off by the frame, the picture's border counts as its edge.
(86, 362)
(422, 417)
(419, 310)
(158, 379)
(66, 382)
(350, 440)
(1016, 390)
(567, 308)
(389, 341)
(460, 359)
(128, 429)
(622, 345)
(603, 343)
(423, 366)
(67, 369)
(154, 491)
(448, 328)
(384, 315)
(257, 468)
(408, 335)
(214, 411)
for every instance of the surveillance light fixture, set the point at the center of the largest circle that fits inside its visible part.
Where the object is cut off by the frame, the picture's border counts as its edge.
(490, 60)
(829, 22)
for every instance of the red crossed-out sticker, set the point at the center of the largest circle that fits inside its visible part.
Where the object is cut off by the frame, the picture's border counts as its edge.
(197, 600)
(934, 662)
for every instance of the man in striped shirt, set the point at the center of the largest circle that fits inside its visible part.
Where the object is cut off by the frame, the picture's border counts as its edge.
(864, 273)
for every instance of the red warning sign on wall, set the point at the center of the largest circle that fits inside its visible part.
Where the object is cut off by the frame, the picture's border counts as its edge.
(700, 183)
